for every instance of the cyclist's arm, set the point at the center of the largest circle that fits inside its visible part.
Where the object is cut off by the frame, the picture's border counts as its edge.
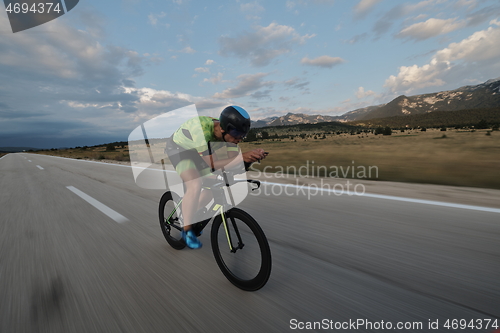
(254, 155)
(216, 164)
(248, 157)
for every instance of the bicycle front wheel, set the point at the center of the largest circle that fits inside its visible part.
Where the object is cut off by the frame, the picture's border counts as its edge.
(171, 219)
(241, 250)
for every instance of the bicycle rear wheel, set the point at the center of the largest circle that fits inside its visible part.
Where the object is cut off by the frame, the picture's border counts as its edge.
(171, 219)
(249, 266)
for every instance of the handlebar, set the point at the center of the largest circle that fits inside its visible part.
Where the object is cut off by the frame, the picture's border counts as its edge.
(226, 178)
(256, 182)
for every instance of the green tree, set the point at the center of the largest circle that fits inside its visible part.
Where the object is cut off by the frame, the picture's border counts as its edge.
(251, 136)
(110, 147)
(483, 124)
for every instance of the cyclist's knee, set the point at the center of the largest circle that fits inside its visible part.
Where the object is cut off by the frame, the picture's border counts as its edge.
(193, 185)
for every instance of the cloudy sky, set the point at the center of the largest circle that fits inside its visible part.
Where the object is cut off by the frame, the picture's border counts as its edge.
(96, 73)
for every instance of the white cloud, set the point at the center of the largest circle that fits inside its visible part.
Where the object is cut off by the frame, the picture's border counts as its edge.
(247, 84)
(41, 55)
(412, 78)
(154, 102)
(361, 93)
(262, 45)
(70, 63)
(470, 4)
(202, 70)
(322, 61)
(297, 83)
(402, 10)
(364, 7)
(477, 56)
(262, 94)
(251, 7)
(153, 18)
(209, 62)
(483, 15)
(357, 38)
(430, 28)
(480, 46)
(422, 5)
(80, 88)
(188, 49)
(419, 17)
(214, 79)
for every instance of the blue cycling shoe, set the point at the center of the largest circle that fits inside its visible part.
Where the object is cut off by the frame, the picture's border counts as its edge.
(191, 240)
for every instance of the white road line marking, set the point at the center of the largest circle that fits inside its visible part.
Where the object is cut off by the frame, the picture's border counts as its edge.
(39, 167)
(100, 206)
(378, 196)
(29, 160)
(434, 203)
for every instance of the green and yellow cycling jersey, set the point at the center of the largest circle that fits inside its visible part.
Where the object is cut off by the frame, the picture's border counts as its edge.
(198, 134)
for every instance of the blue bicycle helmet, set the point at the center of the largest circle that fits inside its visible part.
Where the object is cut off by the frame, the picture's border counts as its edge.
(235, 121)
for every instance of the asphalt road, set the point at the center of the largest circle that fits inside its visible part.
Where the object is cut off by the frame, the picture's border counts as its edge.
(65, 266)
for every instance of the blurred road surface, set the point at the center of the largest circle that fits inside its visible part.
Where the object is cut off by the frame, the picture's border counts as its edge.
(67, 266)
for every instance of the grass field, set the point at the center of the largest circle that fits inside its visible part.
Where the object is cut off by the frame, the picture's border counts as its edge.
(91, 153)
(462, 158)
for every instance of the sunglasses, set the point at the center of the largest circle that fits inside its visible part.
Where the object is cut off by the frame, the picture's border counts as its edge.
(236, 134)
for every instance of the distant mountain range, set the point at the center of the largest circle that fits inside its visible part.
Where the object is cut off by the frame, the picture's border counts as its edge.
(16, 149)
(481, 96)
(293, 119)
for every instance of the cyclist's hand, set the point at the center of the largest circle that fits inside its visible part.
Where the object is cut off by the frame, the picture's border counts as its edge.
(254, 155)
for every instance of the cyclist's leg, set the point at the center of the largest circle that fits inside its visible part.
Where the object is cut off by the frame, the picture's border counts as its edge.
(205, 197)
(191, 199)
(191, 168)
(192, 186)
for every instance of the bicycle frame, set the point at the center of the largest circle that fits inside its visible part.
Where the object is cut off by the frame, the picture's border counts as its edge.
(248, 270)
(220, 205)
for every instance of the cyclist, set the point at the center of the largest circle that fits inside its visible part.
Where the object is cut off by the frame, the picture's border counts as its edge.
(191, 150)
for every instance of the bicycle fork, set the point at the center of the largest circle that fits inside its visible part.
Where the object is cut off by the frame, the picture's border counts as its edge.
(175, 210)
(228, 233)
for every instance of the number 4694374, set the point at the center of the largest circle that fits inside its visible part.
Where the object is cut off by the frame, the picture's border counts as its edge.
(37, 7)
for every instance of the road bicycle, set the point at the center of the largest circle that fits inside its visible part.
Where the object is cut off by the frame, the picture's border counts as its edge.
(239, 245)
